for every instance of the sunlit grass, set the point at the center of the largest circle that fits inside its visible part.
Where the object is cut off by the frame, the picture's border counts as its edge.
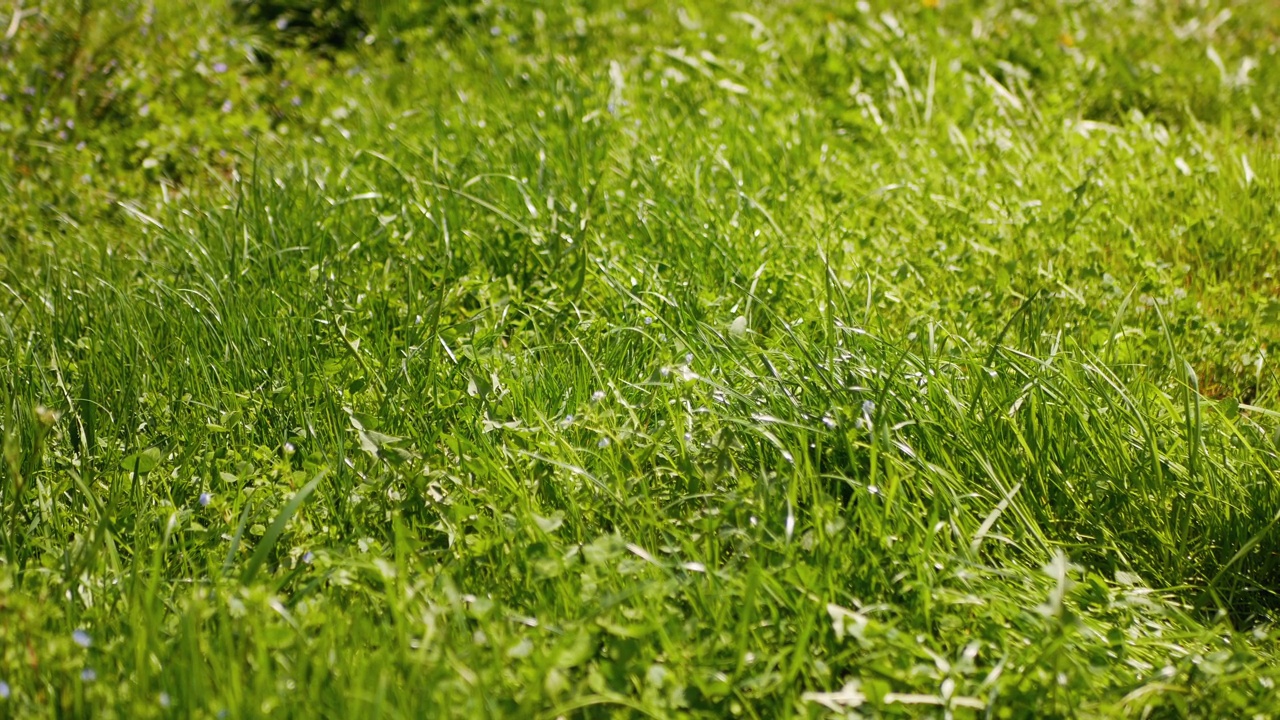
(621, 360)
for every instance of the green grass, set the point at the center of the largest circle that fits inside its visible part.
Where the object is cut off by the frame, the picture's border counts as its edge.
(615, 359)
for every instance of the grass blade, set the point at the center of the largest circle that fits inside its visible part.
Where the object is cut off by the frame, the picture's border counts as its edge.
(268, 540)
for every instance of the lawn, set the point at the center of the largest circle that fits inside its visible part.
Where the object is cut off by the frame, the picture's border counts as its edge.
(629, 358)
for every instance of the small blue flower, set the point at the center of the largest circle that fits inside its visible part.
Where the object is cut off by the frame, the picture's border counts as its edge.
(604, 443)
(88, 675)
(205, 499)
(4, 690)
(220, 67)
(226, 106)
(82, 638)
(308, 557)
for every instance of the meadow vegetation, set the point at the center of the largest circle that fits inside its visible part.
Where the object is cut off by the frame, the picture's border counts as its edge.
(630, 358)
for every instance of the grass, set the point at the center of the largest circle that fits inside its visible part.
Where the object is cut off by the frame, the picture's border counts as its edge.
(754, 360)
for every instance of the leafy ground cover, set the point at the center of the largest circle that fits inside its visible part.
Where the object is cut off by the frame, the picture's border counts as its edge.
(624, 358)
